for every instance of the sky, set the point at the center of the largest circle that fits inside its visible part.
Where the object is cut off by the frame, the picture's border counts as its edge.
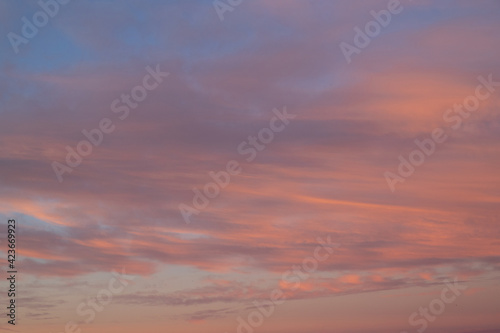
(273, 166)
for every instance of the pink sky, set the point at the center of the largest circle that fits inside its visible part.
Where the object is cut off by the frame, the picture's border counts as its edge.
(321, 176)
